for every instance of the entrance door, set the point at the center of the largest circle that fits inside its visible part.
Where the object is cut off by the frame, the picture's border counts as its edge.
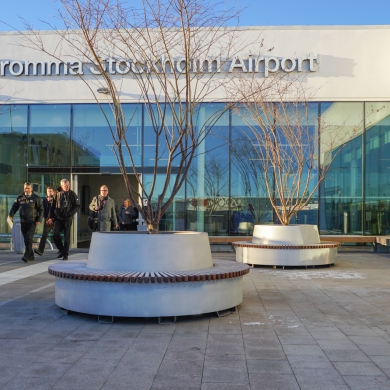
(88, 186)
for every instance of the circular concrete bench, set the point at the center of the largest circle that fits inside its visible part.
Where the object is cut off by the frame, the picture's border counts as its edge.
(286, 246)
(323, 253)
(131, 274)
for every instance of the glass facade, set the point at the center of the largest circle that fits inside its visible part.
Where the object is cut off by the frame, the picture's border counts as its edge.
(224, 193)
(341, 194)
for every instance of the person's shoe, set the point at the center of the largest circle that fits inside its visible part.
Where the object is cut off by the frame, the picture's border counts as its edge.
(38, 252)
(24, 259)
(60, 255)
(59, 252)
(65, 257)
(31, 259)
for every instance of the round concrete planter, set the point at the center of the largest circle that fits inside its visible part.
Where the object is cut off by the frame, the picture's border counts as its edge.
(293, 245)
(133, 274)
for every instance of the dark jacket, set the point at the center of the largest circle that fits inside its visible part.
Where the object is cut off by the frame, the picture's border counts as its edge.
(30, 208)
(48, 208)
(67, 205)
(127, 218)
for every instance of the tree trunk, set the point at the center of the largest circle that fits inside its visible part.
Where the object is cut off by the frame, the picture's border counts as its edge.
(152, 228)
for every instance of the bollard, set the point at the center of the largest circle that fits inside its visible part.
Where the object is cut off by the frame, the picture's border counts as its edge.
(17, 237)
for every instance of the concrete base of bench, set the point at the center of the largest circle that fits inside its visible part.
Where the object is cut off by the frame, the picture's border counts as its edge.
(130, 274)
(286, 255)
(144, 295)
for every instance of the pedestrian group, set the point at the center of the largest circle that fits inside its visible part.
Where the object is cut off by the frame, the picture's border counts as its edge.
(58, 209)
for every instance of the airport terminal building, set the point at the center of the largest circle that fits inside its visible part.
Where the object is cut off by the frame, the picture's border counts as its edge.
(52, 128)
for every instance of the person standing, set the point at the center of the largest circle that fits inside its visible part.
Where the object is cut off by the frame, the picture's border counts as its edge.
(127, 216)
(66, 206)
(30, 211)
(105, 206)
(48, 215)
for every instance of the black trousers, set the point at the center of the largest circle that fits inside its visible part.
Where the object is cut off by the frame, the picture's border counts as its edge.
(28, 231)
(127, 226)
(45, 233)
(59, 226)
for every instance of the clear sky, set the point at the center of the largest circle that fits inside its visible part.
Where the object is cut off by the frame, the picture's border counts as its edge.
(256, 12)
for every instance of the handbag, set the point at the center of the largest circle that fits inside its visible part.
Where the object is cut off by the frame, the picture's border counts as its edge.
(93, 222)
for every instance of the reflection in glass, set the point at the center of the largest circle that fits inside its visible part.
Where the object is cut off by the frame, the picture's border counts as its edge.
(13, 151)
(377, 167)
(208, 179)
(249, 204)
(341, 192)
(272, 158)
(49, 139)
(174, 217)
(93, 140)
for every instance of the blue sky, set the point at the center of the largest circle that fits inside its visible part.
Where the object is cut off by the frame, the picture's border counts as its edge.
(256, 12)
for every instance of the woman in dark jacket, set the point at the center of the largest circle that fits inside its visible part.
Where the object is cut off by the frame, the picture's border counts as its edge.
(127, 216)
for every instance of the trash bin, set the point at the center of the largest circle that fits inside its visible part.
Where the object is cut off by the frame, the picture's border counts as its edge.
(17, 238)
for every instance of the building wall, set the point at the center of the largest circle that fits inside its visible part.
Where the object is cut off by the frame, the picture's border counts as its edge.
(353, 64)
(52, 127)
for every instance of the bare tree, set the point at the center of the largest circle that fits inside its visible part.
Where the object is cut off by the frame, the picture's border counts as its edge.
(283, 129)
(174, 50)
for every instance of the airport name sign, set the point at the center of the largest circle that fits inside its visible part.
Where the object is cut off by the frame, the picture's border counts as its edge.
(114, 66)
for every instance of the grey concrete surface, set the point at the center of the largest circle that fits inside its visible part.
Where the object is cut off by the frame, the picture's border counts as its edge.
(323, 328)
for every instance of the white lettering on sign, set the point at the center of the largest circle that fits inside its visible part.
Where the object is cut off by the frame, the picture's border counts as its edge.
(113, 66)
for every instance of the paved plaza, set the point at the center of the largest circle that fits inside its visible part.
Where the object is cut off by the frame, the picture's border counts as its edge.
(323, 328)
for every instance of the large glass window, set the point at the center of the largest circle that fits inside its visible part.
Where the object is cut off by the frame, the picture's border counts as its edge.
(225, 189)
(93, 138)
(341, 207)
(13, 152)
(208, 179)
(49, 138)
(160, 128)
(250, 203)
(174, 217)
(377, 169)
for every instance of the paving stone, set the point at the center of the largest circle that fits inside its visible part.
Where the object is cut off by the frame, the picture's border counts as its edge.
(46, 369)
(313, 350)
(375, 349)
(172, 368)
(360, 382)
(369, 340)
(87, 374)
(257, 342)
(296, 339)
(357, 368)
(104, 353)
(225, 375)
(224, 386)
(180, 385)
(309, 361)
(265, 353)
(273, 382)
(344, 345)
(382, 362)
(279, 367)
(338, 355)
(310, 378)
(29, 383)
(331, 333)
